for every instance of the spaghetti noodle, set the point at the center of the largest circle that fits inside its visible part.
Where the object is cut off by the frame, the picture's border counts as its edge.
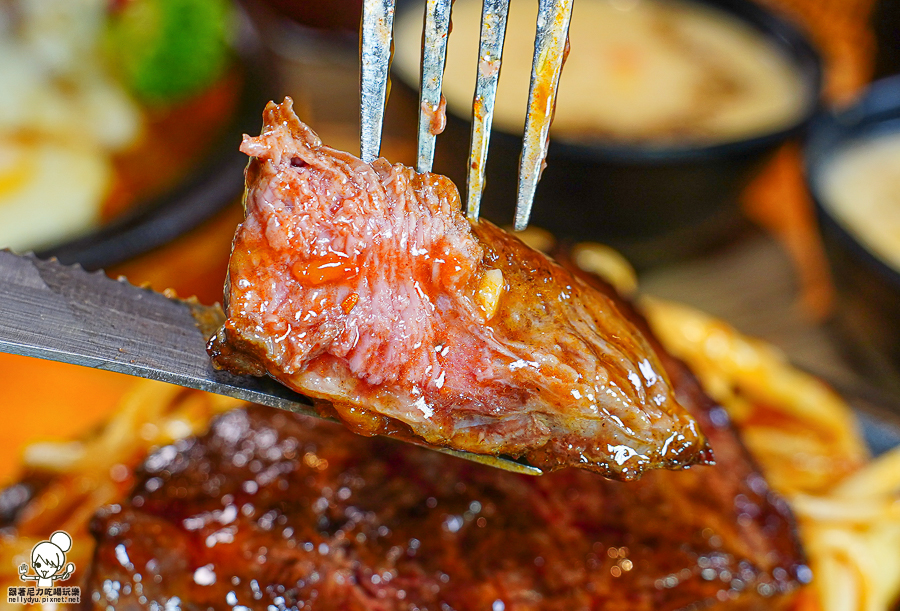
(803, 435)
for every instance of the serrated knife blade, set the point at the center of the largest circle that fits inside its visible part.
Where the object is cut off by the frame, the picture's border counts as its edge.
(63, 313)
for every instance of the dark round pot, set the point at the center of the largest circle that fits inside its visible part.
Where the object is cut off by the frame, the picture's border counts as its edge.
(867, 313)
(343, 15)
(651, 202)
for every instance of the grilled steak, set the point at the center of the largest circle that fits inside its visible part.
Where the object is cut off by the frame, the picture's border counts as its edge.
(365, 287)
(275, 511)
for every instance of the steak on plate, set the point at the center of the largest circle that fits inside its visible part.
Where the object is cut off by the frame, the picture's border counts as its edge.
(271, 510)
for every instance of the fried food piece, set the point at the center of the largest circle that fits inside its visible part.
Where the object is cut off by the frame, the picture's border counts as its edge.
(364, 287)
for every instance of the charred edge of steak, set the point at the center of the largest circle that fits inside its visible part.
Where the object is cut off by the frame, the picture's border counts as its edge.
(713, 418)
(289, 511)
(554, 374)
(231, 352)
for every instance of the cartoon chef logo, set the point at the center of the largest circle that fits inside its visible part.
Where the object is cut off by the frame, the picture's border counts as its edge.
(48, 559)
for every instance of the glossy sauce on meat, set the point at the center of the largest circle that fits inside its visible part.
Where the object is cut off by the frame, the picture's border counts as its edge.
(364, 286)
(275, 511)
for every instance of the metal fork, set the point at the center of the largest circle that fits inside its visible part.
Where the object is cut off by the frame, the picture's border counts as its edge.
(550, 49)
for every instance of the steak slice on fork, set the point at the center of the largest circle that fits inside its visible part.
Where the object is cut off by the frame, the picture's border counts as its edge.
(364, 287)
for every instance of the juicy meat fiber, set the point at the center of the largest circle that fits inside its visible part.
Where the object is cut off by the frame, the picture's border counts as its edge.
(274, 511)
(364, 286)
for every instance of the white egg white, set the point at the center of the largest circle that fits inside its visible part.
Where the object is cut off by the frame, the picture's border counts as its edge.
(49, 191)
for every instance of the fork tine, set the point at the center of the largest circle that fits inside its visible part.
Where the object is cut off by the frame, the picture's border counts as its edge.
(375, 56)
(497, 462)
(490, 51)
(549, 55)
(434, 55)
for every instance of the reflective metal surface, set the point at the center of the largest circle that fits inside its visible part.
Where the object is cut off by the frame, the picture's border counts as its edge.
(550, 49)
(375, 59)
(490, 52)
(434, 55)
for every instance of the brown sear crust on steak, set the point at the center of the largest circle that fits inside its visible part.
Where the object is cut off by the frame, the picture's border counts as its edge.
(364, 287)
(270, 508)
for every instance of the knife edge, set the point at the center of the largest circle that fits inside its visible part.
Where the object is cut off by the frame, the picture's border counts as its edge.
(63, 313)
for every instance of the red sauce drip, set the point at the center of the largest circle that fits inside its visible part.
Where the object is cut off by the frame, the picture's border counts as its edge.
(331, 268)
(348, 304)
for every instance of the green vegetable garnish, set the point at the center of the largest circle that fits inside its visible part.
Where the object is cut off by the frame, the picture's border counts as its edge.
(167, 50)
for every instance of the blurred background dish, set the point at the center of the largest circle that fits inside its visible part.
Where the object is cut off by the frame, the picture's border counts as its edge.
(339, 16)
(666, 111)
(853, 173)
(115, 121)
(749, 282)
(660, 74)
